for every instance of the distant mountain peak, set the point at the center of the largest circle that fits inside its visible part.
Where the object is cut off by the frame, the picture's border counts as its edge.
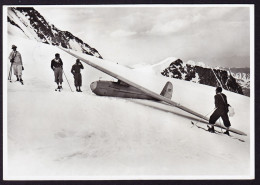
(34, 26)
(201, 73)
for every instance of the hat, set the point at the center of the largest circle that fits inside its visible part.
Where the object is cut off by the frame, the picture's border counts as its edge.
(77, 60)
(219, 89)
(14, 46)
(57, 55)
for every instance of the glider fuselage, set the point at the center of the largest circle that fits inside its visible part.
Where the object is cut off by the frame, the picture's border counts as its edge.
(117, 89)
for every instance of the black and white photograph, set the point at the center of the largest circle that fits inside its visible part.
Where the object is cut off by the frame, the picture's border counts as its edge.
(128, 92)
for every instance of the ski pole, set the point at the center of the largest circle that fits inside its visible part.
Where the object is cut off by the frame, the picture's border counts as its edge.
(210, 112)
(67, 80)
(205, 116)
(10, 73)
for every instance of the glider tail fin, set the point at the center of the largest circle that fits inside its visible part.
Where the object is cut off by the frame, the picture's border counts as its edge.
(167, 90)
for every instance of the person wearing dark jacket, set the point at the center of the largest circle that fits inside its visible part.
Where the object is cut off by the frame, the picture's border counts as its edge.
(57, 67)
(221, 106)
(75, 70)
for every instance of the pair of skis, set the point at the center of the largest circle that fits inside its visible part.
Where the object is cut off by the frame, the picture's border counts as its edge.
(216, 132)
(58, 89)
(16, 81)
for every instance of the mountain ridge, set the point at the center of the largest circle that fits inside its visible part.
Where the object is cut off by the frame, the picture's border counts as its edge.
(235, 82)
(34, 26)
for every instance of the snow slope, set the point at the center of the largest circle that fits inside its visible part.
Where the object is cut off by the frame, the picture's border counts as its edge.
(70, 135)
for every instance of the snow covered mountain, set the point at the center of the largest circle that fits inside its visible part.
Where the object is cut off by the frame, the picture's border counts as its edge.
(242, 76)
(200, 73)
(33, 25)
(77, 136)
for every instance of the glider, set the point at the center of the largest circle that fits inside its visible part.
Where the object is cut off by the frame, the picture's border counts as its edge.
(130, 85)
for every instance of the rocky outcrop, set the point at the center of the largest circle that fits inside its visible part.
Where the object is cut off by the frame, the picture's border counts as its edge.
(202, 75)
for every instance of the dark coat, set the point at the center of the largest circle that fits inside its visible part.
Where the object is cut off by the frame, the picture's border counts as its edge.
(56, 64)
(221, 102)
(76, 68)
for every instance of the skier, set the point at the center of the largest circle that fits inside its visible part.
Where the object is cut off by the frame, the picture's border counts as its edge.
(221, 105)
(75, 70)
(17, 64)
(57, 67)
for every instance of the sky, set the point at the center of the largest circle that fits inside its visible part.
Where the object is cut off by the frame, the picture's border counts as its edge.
(217, 36)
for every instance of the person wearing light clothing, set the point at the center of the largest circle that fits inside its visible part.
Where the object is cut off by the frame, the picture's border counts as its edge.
(17, 64)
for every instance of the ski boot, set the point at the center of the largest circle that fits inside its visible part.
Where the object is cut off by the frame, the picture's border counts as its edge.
(211, 129)
(21, 80)
(227, 132)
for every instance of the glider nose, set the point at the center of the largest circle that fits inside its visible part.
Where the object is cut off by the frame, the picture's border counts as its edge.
(93, 86)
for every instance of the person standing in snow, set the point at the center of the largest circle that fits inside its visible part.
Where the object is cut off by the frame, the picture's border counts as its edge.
(75, 70)
(17, 64)
(221, 106)
(57, 67)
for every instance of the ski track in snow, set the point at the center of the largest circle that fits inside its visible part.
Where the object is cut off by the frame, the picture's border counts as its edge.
(68, 133)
